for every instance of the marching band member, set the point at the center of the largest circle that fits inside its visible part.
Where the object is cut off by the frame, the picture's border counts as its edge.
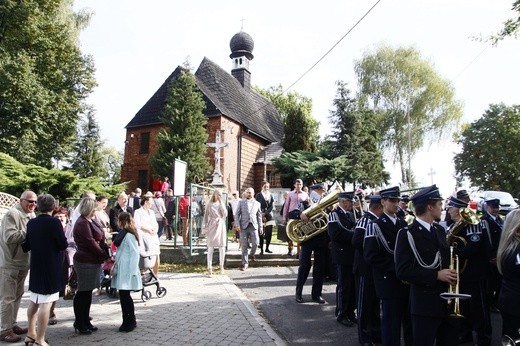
(368, 310)
(379, 247)
(422, 258)
(472, 247)
(341, 229)
(492, 224)
(316, 244)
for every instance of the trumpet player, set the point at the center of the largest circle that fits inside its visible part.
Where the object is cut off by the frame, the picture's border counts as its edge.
(422, 258)
(472, 248)
(380, 238)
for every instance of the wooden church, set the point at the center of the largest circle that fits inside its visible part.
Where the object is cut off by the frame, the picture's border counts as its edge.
(245, 127)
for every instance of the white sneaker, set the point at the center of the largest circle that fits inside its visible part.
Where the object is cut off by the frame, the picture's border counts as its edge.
(244, 267)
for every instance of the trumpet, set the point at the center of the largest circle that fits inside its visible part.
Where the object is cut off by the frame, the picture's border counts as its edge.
(453, 295)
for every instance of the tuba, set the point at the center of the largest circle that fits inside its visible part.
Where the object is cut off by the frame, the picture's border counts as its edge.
(299, 231)
(467, 217)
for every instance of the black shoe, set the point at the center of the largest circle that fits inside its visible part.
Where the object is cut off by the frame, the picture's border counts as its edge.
(82, 330)
(268, 251)
(352, 319)
(127, 327)
(92, 328)
(299, 298)
(346, 322)
(289, 253)
(319, 300)
(261, 253)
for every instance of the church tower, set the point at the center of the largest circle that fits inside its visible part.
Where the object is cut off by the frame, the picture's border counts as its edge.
(241, 46)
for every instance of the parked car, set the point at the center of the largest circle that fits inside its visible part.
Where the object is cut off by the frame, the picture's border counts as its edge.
(507, 202)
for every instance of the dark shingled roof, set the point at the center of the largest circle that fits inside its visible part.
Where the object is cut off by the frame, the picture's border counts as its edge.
(272, 151)
(222, 94)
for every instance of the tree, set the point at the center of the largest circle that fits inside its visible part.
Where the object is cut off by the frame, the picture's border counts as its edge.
(185, 135)
(294, 109)
(16, 177)
(511, 26)
(112, 163)
(44, 78)
(489, 155)
(355, 137)
(87, 160)
(412, 101)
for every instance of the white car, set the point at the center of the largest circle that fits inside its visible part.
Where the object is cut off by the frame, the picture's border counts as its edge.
(507, 202)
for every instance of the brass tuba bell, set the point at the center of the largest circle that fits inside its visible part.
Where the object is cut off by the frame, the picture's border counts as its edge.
(299, 231)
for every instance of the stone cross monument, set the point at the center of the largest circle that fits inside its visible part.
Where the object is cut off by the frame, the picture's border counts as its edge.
(217, 175)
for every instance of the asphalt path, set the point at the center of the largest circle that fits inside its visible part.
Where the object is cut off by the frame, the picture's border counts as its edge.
(272, 290)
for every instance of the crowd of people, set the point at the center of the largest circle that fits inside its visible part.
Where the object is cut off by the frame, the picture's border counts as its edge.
(396, 266)
(57, 245)
(393, 262)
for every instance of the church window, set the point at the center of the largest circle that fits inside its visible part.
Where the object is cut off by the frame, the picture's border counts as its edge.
(144, 145)
(142, 179)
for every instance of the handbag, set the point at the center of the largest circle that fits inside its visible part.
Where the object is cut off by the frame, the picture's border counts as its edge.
(71, 287)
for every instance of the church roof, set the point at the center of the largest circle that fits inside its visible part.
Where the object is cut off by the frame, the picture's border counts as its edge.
(272, 151)
(223, 94)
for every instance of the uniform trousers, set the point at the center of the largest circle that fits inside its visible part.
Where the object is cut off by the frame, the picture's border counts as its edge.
(427, 330)
(368, 310)
(319, 247)
(493, 285)
(510, 325)
(476, 311)
(11, 292)
(395, 313)
(345, 293)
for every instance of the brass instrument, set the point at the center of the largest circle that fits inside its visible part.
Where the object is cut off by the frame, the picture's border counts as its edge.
(299, 231)
(508, 341)
(467, 217)
(453, 295)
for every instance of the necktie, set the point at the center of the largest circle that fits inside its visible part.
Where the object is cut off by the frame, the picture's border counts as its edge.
(500, 222)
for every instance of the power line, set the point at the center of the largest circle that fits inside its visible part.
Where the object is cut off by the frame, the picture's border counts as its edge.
(334, 46)
(472, 61)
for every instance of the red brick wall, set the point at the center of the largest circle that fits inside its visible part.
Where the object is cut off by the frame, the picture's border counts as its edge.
(133, 161)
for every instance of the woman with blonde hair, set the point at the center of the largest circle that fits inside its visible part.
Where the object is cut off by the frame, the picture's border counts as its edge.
(508, 262)
(215, 229)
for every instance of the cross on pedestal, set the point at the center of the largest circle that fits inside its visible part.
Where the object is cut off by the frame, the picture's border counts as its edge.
(217, 176)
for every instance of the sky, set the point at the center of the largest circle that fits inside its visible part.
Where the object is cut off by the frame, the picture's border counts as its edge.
(136, 45)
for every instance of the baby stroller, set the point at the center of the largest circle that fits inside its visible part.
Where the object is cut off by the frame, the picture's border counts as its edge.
(107, 278)
(149, 278)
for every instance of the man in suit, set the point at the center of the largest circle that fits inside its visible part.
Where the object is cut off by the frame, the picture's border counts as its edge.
(121, 206)
(249, 219)
(341, 229)
(492, 224)
(266, 200)
(368, 310)
(422, 258)
(379, 249)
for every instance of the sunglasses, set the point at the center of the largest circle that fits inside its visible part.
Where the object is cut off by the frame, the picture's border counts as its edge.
(29, 201)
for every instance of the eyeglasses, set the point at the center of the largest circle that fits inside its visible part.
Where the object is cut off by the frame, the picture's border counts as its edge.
(29, 201)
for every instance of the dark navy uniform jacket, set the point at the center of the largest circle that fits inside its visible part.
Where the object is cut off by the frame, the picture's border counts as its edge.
(378, 251)
(475, 255)
(361, 267)
(425, 289)
(509, 299)
(493, 230)
(341, 229)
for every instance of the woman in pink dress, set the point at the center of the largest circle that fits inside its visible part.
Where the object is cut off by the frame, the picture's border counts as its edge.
(215, 229)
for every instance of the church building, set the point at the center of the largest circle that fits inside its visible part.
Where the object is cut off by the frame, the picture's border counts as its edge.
(245, 127)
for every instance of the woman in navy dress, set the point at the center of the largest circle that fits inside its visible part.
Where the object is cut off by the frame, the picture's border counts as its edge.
(45, 239)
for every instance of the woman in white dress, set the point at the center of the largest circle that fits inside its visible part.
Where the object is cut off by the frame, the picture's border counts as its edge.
(215, 229)
(147, 226)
